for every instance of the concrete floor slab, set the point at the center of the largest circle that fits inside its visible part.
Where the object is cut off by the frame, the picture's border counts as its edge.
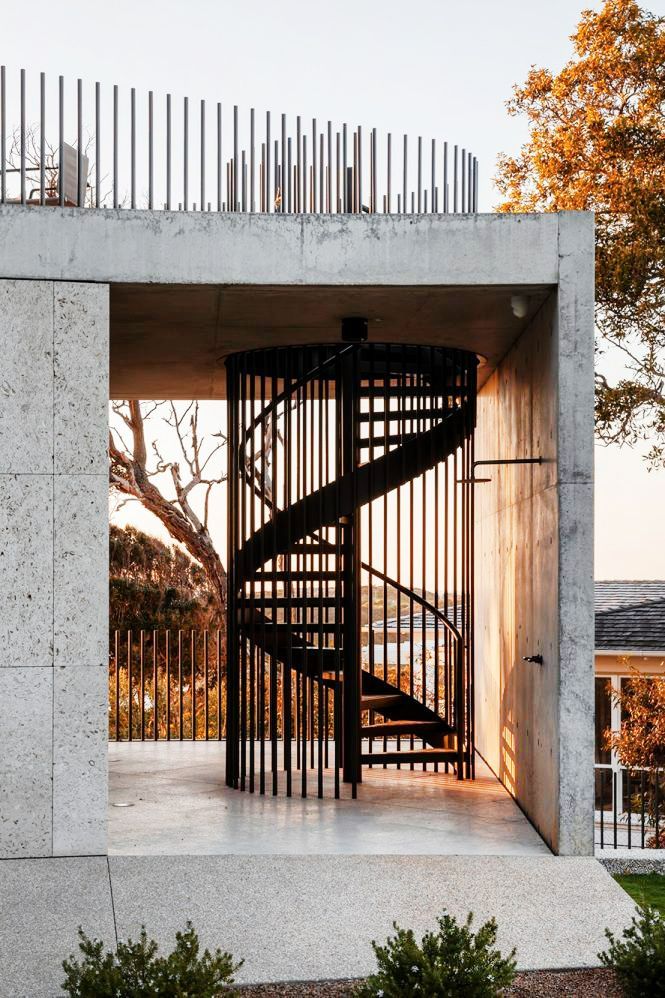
(179, 805)
(314, 916)
(42, 904)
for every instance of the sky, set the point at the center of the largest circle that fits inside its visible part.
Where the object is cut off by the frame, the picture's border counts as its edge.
(430, 67)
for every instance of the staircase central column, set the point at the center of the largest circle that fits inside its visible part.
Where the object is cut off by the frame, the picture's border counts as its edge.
(347, 389)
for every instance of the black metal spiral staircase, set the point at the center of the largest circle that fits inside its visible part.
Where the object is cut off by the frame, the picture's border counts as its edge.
(318, 435)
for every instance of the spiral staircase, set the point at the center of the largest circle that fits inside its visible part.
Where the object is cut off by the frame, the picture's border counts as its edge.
(351, 423)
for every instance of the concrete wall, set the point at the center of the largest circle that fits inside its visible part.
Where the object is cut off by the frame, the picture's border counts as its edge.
(534, 570)
(534, 541)
(53, 568)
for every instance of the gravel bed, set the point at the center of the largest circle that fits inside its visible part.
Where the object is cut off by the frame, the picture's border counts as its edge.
(541, 983)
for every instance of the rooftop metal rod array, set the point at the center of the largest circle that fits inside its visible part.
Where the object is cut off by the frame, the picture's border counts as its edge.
(114, 157)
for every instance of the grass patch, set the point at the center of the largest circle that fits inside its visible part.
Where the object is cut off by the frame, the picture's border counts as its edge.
(645, 888)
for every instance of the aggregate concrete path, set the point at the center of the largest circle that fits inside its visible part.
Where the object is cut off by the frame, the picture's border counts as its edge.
(298, 918)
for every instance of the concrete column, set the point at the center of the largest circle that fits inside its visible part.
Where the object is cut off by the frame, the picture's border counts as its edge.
(574, 333)
(534, 568)
(53, 568)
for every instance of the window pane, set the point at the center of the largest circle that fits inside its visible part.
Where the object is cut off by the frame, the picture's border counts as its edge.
(603, 717)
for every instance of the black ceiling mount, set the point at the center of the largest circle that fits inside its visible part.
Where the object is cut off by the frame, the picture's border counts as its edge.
(354, 329)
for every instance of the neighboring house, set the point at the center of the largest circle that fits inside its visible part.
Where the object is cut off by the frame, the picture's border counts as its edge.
(630, 635)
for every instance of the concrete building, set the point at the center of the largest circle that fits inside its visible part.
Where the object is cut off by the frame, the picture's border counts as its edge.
(102, 301)
(150, 304)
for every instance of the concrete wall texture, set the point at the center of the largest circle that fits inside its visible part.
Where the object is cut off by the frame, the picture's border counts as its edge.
(534, 525)
(53, 568)
(534, 569)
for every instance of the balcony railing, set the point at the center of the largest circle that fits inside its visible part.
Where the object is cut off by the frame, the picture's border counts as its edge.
(89, 146)
(630, 808)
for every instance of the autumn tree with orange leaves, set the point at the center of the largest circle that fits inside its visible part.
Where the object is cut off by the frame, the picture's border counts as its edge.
(640, 743)
(597, 142)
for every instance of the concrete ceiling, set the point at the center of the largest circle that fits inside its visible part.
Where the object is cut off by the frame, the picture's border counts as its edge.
(170, 341)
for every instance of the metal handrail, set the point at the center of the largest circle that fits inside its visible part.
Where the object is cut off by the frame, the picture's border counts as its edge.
(288, 169)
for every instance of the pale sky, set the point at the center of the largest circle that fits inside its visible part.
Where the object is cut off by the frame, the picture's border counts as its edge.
(430, 67)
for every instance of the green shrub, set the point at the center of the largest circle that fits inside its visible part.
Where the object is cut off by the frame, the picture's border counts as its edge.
(453, 962)
(638, 959)
(135, 970)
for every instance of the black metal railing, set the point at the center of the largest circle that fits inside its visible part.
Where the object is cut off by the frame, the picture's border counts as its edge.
(166, 686)
(137, 151)
(629, 808)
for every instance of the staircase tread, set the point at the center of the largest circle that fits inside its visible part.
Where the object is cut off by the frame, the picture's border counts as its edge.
(411, 755)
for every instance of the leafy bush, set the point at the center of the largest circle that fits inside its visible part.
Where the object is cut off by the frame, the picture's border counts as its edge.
(638, 959)
(453, 962)
(135, 970)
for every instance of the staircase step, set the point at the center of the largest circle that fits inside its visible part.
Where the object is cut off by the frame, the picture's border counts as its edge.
(406, 415)
(410, 755)
(280, 602)
(390, 729)
(294, 576)
(411, 391)
(311, 627)
(376, 701)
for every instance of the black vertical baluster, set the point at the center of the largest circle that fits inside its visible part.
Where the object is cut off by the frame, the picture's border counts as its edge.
(22, 146)
(305, 457)
(251, 602)
(192, 652)
(630, 808)
(42, 138)
(155, 691)
(180, 692)
(231, 625)
(130, 692)
(272, 513)
(247, 575)
(338, 187)
(656, 806)
(132, 145)
(150, 150)
(386, 448)
(601, 773)
(219, 155)
(326, 535)
(437, 402)
(218, 664)
(370, 445)
(61, 140)
(203, 154)
(287, 692)
(289, 176)
(168, 685)
(322, 560)
(400, 382)
(274, 663)
(329, 175)
(205, 685)
(168, 152)
(116, 649)
(269, 198)
(185, 131)
(142, 682)
(614, 806)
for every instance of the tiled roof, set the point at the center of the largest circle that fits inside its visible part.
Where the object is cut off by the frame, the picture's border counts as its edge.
(630, 616)
(617, 594)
